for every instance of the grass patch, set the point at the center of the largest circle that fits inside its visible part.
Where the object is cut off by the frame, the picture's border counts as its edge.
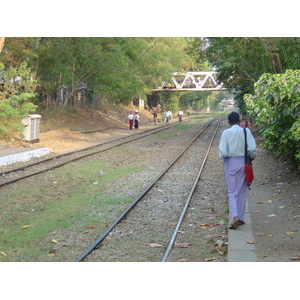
(173, 132)
(165, 135)
(55, 201)
(185, 126)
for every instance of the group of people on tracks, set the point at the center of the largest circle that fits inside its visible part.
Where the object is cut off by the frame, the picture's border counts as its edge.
(168, 115)
(134, 118)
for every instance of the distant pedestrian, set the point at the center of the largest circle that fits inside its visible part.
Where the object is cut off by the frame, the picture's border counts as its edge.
(232, 150)
(136, 120)
(130, 118)
(154, 117)
(245, 123)
(168, 115)
(180, 114)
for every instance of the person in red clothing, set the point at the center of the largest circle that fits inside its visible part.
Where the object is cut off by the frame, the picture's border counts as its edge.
(130, 118)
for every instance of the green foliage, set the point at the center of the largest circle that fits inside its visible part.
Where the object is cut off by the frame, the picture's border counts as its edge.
(196, 50)
(170, 100)
(241, 61)
(200, 100)
(63, 197)
(195, 100)
(115, 68)
(276, 107)
(12, 110)
(15, 100)
(295, 130)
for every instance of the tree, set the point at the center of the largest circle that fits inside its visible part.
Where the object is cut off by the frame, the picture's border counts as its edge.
(196, 50)
(115, 68)
(240, 61)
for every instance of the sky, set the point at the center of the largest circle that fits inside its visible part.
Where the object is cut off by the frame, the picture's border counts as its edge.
(149, 18)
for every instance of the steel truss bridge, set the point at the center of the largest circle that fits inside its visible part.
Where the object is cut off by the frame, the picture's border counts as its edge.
(192, 81)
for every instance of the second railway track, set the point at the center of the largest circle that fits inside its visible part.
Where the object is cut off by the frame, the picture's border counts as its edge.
(13, 175)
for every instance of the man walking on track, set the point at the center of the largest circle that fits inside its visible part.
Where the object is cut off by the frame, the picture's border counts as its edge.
(136, 120)
(232, 150)
(180, 114)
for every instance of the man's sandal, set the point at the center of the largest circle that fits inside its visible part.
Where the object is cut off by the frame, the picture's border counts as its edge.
(241, 222)
(234, 224)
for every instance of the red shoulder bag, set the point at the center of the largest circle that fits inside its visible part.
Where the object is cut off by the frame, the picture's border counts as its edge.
(249, 174)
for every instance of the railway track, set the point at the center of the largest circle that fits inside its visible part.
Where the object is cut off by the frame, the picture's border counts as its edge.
(126, 232)
(25, 171)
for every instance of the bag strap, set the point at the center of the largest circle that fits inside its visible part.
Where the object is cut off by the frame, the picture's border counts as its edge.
(246, 156)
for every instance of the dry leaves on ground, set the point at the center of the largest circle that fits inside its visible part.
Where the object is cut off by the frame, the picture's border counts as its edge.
(154, 245)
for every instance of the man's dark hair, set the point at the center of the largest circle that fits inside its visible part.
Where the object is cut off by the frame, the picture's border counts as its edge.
(234, 117)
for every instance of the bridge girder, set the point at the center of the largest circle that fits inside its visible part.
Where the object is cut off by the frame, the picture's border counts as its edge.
(192, 81)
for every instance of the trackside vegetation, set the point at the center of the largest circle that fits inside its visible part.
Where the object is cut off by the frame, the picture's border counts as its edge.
(276, 109)
(16, 97)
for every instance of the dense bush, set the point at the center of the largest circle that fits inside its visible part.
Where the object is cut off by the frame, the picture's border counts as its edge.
(12, 110)
(276, 108)
(15, 101)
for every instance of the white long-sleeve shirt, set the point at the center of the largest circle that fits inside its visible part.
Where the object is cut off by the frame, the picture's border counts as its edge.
(232, 143)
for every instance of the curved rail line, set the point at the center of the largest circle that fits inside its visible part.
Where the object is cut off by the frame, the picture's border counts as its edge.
(134, 202)
(143, 134)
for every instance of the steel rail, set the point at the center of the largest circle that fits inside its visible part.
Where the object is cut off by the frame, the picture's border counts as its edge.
(135, 201)
(80, 157)
(172, 240)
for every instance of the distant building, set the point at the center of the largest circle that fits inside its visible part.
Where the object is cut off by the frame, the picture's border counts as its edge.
(140, 103)
(227, 104)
